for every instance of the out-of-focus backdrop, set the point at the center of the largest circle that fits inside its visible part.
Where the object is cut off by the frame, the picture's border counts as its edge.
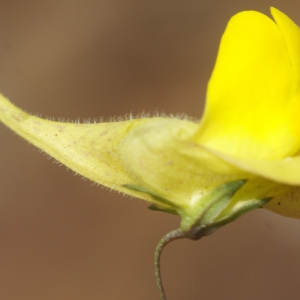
(64, 238)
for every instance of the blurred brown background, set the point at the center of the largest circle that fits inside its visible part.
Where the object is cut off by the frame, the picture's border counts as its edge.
(64, 238)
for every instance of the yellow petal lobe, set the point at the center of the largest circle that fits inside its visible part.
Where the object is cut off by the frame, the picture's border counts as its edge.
(156, 155)
(252, 97)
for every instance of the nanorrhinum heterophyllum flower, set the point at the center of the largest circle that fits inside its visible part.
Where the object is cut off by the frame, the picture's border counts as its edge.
(244, 153)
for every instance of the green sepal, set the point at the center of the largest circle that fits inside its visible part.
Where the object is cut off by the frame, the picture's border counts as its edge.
(168, 206)
(163, 209)
(220, 198)
(241, 208)
(211, 214)
(210, 206)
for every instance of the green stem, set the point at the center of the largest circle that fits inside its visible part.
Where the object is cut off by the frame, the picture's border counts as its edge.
(169, 237)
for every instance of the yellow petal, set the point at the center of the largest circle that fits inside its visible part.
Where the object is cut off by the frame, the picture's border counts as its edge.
(290, 33)
(150, 159)
(253, 94)
(285, 171)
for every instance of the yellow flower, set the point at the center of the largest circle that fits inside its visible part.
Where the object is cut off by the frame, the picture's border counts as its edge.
(244, 152)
